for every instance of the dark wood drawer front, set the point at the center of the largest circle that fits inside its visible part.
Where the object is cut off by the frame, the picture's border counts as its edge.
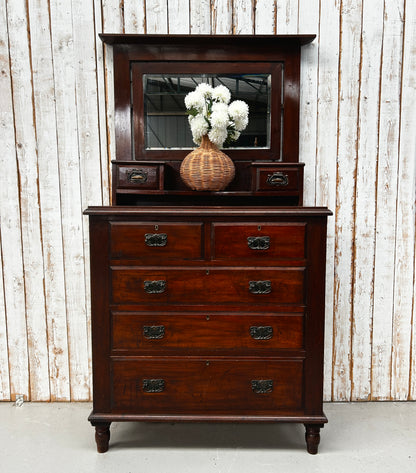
(263, 242)
(186, 385)
(139, 176)
(207, 286)
(136, 331)
(277, 179)
(156, 243)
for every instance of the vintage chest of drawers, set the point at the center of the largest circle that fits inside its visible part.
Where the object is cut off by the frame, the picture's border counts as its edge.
(207, 306)
(213, 313)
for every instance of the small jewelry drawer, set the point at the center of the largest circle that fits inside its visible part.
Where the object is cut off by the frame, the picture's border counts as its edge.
(194, 385)
(262, 243)
(207, 286)
(139, 175)
(135, 332)
(280, 178)
(154, 243)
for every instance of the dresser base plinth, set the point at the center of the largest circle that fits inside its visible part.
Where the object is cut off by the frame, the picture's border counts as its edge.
(102, 423)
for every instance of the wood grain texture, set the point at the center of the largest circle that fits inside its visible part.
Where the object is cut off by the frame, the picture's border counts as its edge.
(156, 16)
(348, 94)
(308, 23)
(405, 217)
(365, 199)
(221, 17)
(178, 22)
(134, 16)
(57, 131)
(50, 210)
(200, 16)
(70, 194)
(327, 130)
(387, 180)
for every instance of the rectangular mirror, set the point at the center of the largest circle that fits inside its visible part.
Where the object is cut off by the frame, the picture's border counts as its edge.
(166, 121)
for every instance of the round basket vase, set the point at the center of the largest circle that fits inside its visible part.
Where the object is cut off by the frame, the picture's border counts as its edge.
(207, 168)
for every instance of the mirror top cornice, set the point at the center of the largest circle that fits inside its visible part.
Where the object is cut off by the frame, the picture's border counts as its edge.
(110, 38)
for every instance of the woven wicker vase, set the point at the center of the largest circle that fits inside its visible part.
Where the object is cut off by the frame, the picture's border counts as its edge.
(207, 168)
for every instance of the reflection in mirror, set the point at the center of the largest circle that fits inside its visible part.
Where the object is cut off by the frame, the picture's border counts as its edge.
(166, 120)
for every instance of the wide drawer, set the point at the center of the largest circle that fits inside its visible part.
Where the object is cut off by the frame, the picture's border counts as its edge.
(175, 331)
(207, 286)
(260, 242)
(189, 385)
(156, 242)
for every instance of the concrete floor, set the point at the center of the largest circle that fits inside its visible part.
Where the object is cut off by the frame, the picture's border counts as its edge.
(361, 437)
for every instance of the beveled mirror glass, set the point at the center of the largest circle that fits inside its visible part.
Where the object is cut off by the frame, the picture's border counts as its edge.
(166, 121)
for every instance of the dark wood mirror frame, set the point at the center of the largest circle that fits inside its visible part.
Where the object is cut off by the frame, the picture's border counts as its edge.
(135, 55)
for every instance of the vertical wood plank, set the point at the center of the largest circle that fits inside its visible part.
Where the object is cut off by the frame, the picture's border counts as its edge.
(386, 199)
(113, 14)
(349, 68)
(405, 220)
(243, 20)
(365, 198)
(409, 147)
(265, 17)
(88, 130)
(287, 17)
(26, 152)
(327, 130)
(11, 240)
(308, 24)
(102, 104)
(134, 16)
(200, 16)
(178, 16)
(156, 16)
(64, 62)
(221, 17)
(45, 119)
(4, 352)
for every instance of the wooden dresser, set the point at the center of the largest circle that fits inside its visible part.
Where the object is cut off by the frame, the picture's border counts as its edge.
(207, 306)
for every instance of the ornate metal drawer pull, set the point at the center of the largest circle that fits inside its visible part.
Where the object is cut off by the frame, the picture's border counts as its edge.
(260, 287)
(258, 243)
(155, 239)
(153, 331)
(155, 287)
(153, 385)
(262, 386)
(137, 176)
(261, 332)
(277, 179)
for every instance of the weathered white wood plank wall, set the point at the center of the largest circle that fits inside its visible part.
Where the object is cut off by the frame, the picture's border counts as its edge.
(357, 138)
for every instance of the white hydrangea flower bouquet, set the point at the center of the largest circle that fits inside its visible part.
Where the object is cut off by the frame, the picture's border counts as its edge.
(211, 113)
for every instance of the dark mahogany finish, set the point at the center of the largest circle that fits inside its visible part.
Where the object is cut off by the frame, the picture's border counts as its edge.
(206, 347)
(207, 306)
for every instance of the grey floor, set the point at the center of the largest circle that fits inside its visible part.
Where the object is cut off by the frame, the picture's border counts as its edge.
(360, 437)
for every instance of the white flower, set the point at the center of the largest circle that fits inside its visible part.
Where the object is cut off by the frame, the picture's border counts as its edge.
(221, 94)
(194, 100)
(219, 116)
(218, 136)
(204, 90)
(238, 109)
(219, 107)
(199, 128)
(240, 123)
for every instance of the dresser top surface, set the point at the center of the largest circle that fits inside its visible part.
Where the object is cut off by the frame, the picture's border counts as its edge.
(209, 211)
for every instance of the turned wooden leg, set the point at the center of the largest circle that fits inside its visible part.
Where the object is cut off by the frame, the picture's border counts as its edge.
(102, 436)
(312, 437)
